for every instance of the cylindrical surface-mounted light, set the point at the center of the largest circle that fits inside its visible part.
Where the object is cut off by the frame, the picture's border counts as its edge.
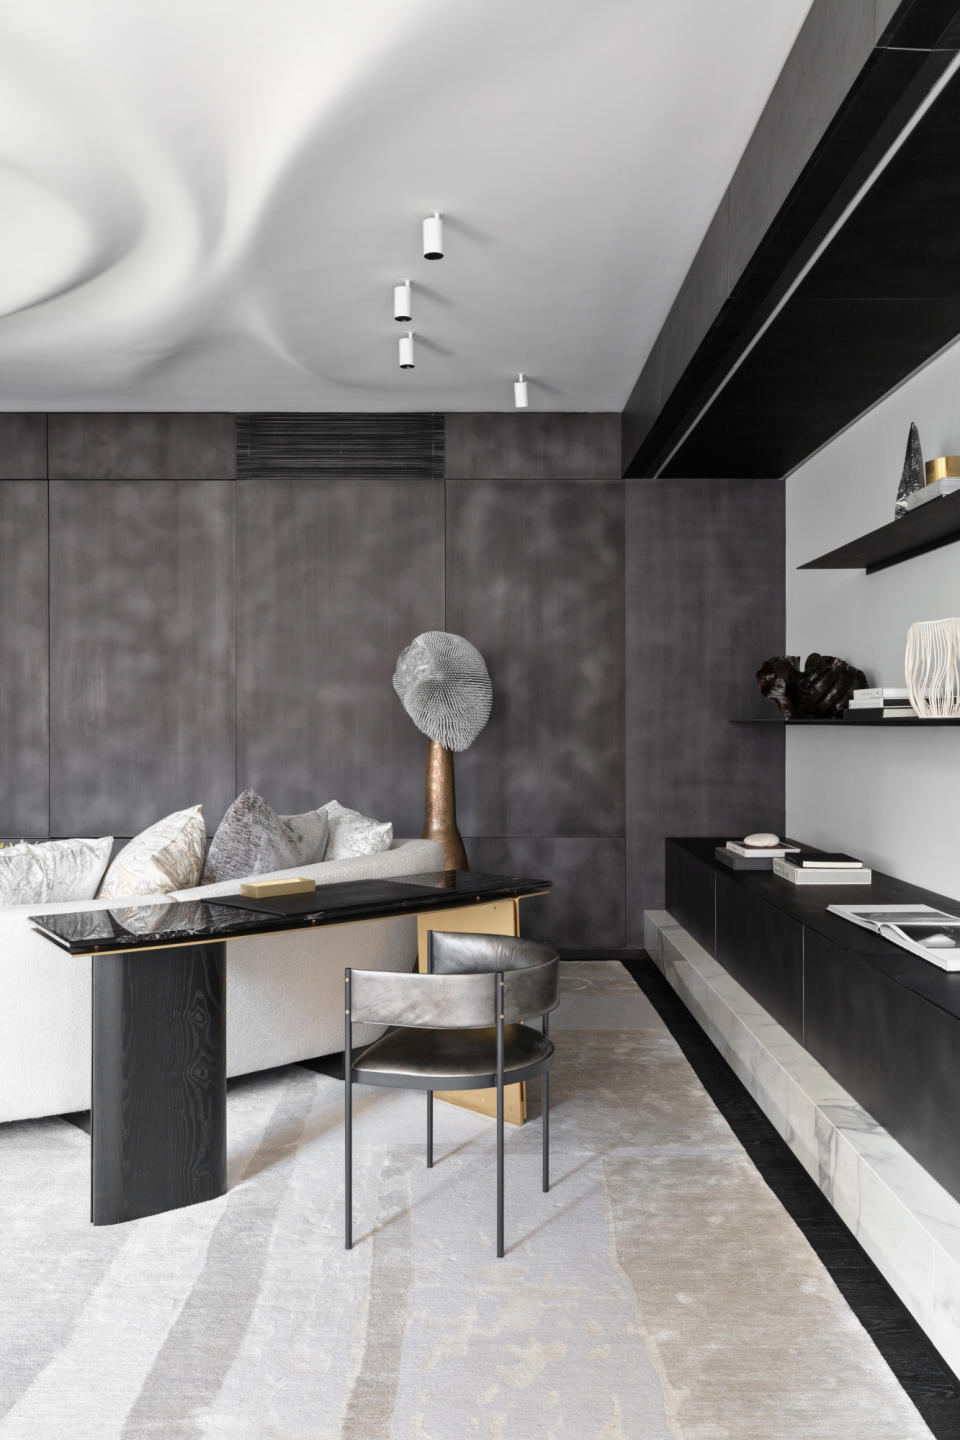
(406, 351)
(402, 301)
(520, 398)
(433, 237)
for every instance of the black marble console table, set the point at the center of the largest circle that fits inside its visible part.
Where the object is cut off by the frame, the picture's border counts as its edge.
(158, 1131)
(883, 1022)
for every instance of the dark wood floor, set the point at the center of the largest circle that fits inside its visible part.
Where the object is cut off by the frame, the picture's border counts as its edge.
(926, 1378)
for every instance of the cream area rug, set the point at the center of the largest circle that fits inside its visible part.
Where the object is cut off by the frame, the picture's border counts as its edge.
(658, 1290)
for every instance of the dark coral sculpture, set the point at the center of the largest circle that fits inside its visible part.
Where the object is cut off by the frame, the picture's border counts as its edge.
(820, 691)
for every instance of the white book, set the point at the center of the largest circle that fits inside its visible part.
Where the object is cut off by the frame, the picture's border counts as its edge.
(799, 876)
(761, 852)
(882, 709)
(947, 486)
(882, 692)
(933, 935)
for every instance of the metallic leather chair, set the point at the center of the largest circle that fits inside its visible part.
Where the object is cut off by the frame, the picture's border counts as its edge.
(460, 1029)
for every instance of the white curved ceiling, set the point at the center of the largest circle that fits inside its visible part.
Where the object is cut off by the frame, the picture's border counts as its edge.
(205, 205)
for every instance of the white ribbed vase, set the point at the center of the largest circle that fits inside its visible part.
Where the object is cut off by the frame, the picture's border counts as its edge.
(932, 667)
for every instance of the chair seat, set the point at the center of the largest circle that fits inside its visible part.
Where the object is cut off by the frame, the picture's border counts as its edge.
(453, 1059)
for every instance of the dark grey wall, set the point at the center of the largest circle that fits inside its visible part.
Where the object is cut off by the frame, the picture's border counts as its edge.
(705, 604)
(207, 632)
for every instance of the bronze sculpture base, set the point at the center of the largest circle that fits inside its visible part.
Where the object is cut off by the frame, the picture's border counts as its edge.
(440, 818)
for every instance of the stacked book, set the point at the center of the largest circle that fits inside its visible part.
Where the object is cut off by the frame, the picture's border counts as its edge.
(738, 856)
(934, 488)
(819, 867)
(882, 702)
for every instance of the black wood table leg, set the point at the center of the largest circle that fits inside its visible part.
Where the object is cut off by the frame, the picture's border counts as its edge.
(158, 1132)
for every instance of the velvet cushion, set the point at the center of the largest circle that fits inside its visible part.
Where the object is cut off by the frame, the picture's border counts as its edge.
(252, 839)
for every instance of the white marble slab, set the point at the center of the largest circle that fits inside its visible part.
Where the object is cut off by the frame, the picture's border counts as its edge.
(906, 1221)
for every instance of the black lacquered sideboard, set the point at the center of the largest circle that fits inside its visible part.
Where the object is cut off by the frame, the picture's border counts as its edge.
(883, 1022)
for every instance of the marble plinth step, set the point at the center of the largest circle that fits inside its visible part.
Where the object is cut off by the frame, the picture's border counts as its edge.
(905, 1220)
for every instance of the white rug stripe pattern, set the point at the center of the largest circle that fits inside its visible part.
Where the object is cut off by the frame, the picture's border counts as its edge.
(658, 1292)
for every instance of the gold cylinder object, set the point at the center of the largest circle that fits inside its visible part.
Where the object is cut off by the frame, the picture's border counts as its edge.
(440, 818)
(942, 467)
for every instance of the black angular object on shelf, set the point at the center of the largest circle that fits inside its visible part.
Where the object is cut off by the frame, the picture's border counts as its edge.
(820, 691)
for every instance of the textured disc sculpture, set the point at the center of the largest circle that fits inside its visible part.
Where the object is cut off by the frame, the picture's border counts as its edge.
(445, 689)
(933, 667)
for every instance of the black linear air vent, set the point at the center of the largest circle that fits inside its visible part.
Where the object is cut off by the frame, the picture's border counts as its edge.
(357, 447)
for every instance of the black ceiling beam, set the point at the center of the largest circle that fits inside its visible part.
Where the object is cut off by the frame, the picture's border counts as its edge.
(882, 298)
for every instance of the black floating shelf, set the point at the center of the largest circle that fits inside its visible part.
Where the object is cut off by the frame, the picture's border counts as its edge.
(849, 720)
(926, 528)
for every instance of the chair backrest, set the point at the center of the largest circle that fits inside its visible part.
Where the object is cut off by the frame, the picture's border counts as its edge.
(457, 1002)
(531, 971)
(460, 992)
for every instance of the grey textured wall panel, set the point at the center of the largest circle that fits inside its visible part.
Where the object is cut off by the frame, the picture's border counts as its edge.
(142, 447)
(532, 445)
(142, 679)
(24, 699)
(23, 447)
(535, 581)
(584, 908)
(704, 605)
(335, 577)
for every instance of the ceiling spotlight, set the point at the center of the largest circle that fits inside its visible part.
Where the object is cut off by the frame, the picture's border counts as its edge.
(406, 351)
(401, 301)
(433, 237)
(520, 398)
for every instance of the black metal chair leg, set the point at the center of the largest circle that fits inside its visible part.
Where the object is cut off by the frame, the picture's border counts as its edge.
(545, 1106)
(347, 1122)
(500, 1119)
(429, 1129)
(545, 1122)
(348, 1169)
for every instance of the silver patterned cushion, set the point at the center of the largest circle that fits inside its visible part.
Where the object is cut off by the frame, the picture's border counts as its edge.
(52, 871)
(354, 834)
(166, 856)
(253, 839)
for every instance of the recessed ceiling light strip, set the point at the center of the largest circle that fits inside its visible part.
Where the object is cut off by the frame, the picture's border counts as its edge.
(841, 220)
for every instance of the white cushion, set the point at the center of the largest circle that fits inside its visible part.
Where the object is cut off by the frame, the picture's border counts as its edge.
(53, 870)
(354, 834)
(163, 858)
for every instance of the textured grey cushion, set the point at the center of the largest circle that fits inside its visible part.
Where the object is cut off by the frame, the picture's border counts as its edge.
(52, 871)
(253, 839)
(354, 834)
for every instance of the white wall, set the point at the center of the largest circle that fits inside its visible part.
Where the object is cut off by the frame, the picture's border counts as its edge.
(892, 798)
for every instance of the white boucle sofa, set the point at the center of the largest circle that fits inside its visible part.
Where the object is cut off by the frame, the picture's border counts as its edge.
(284, 992)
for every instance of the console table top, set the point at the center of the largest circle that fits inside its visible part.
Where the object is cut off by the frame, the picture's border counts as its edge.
(197, 922)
